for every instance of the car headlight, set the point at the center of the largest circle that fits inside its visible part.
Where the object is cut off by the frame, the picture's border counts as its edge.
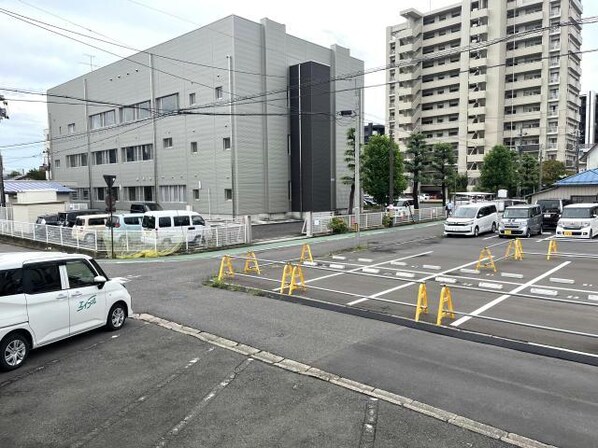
(585, 224)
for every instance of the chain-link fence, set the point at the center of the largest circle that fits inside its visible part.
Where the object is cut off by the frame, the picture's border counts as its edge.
(130, 244)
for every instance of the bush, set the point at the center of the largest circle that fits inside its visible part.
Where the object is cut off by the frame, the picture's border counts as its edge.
(387, 220)
(338, 225)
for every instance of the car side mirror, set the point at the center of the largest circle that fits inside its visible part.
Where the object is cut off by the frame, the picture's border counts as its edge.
(99, 280)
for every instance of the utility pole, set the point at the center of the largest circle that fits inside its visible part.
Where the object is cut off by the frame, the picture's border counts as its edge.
(3, 115)
(577, 147)
(540, 167)
(359, 130)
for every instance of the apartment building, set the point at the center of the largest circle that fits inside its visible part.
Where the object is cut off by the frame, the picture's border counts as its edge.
(588, 124)
(207, 120)
(481, 73)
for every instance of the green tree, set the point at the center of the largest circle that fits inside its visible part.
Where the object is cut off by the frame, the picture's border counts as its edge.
(529, 172)
(499, 170)
(350, 161)
(458, 183)
(36, 174)
(552, 170)
(14, 173)
(443, 165)
(375, 168)
(417, 162)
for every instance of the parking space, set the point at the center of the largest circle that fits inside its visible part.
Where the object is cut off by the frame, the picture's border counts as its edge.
(538, 300)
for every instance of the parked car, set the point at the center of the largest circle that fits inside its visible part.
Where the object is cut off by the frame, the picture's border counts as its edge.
(46, 297)
(401, 207)
(68, 218)
(552, 210)
(48, 220)
(87, 227)
(142, 207)
(578, 220)
(521, 220)
(472, 219)
(168, 227)
(124, 226)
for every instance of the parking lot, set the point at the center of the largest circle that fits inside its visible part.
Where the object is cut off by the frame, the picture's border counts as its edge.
(545, 302)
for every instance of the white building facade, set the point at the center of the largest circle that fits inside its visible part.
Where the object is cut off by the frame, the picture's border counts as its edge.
(481, 73)
(204, 121)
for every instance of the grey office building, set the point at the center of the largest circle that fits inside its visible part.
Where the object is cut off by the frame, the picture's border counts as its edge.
(235, 118)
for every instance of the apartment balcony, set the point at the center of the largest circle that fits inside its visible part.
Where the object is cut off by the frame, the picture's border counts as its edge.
(529, 67)
(403, 34)
(523, 116)
(477, 30)
(522, 100)
(441, 40)
(525, 18)
(475, 127)
(404, 120)
(552, 130)
(475, 63)
(473, 111)
(516, 134)
(442, 97)
(476, 79)
(447, 81)
(475, 157)
(525, 84)
(523, 51)
(479, 13)
(476, 142)
(403, 91)
(450, 21)
(477, 95)
(405, 76)
(440, 126)
(441, 68)
(406, 48)
(440, 112)
(555, 13)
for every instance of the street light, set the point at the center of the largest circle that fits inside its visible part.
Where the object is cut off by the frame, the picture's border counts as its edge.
(109, 179)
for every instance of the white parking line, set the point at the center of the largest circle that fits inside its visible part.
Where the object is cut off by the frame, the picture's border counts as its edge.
(374, 265)
(490, 237)
(506, 296)
(407, 285)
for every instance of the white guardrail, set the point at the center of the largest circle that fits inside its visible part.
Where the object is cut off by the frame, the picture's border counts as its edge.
(128, 243)
(320, 221)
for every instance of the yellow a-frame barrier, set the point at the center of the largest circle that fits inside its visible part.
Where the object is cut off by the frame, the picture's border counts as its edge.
(485, 260)
(306, 254)
(226, 268)
(251, 264)
(552, 249)
(445, 307)
(514, 250)
(422, 301)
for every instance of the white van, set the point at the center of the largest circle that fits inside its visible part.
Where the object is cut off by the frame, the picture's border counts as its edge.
(46, 297)
(472, 219)
(168, 227)
(88, 227)
(578, 221)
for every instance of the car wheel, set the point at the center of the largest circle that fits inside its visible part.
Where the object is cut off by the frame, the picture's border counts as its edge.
(541, 230)
(528, 233)
(116, 317)
(14, 350)
(493, 227)
(476, 231)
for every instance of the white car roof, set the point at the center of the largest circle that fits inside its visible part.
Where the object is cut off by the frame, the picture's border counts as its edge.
(581, 205)
(159, 213)
(13, 260)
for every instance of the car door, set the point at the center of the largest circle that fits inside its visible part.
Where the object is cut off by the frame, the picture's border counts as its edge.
(47, 301)
(87, 302)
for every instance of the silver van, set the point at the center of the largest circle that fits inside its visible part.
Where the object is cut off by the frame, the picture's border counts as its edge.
(521, 220)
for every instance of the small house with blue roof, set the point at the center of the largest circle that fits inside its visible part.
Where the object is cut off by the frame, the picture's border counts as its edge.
(580, 187)
(29, 199)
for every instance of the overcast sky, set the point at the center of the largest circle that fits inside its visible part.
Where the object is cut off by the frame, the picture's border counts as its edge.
(35, 59)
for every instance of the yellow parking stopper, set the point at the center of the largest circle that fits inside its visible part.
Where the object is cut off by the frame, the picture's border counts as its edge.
(485, 260)
(251, 264)
(552, 249)
(306, 254)
(422, 301)
(226, 268)
(286, 273)
(297, 279)
(445, 307)
(514, 249)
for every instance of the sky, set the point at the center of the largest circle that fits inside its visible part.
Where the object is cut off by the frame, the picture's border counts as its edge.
(36, 59)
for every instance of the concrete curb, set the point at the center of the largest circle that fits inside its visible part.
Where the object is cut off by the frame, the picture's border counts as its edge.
(307, 370)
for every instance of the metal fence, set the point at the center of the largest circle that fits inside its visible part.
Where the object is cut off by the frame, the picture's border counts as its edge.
(129, 244)
(320, 222)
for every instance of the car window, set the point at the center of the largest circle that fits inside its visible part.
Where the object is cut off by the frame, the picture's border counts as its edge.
(198, 221)
(79, 274)
(132, 220)
(79, 222)
(148, 222)
(11, 282)
(42, 277)
(164, 221)
(181, 221)
(97, 221)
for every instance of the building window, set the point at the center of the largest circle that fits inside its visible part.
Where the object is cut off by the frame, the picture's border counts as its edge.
(104, 157)
(226, 143)
(168, 103)
(173, 193)
(56, 163)
(135, 112)
(137, 153)
(71, 128)
(132, 193)
(192, 98)
(193, 147)
(101, 193)
(218, 92)
(228, 194)
(102, 120)
(148, 193)
(196, 194)
(167, 142)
